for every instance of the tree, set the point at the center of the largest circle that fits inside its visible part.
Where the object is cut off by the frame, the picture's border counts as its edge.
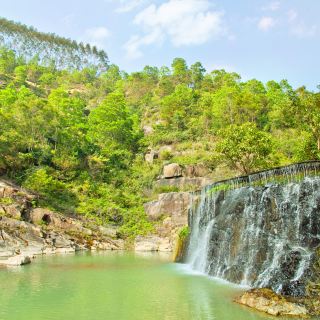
(180, 70)
(176, 107)
(197, 74)
(244, 147)
(110, 126)
(311, 113)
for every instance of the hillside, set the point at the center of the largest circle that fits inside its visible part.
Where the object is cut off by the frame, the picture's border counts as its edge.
(93, 143)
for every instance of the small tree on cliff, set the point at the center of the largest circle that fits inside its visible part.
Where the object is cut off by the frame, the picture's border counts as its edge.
(245, 147)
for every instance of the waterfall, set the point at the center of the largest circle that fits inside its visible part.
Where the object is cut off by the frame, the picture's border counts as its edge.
(260, 230)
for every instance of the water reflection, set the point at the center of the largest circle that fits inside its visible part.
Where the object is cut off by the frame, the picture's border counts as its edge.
(114, 286)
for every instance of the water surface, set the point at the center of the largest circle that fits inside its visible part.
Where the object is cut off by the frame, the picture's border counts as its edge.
(115, 286)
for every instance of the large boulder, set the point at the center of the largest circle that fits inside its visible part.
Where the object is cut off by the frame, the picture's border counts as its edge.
(172, 170)
(267, 301)
(45, 216)
(18, 260)
(195, 170)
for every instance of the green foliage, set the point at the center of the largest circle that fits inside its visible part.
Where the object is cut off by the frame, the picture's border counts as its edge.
(70, 128)
(6, 201)
(245, 147)
(48, 48)
(54, 193)
(166, 189)
(184, 233)
(220, 187)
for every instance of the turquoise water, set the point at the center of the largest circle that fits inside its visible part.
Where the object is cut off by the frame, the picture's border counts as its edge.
(115, 286)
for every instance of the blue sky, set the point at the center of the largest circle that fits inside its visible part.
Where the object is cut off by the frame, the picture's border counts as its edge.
(262, 39)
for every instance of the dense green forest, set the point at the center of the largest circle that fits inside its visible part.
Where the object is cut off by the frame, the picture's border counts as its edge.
(49, 48)
(77, 136)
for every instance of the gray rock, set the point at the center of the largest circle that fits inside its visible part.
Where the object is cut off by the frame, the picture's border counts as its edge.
(184, 183)
(173, 204)
(108, 231)
(149, 243)
(195, 170)
(19, 260)
(172, 170)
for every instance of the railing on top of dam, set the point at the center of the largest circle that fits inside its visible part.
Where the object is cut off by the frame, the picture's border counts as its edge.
(288, 173)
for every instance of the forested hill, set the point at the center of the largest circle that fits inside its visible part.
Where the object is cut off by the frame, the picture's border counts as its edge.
(50, 48)
(78, 137)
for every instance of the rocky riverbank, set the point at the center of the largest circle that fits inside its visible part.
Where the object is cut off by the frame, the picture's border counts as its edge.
(27, 231)
(267, 301)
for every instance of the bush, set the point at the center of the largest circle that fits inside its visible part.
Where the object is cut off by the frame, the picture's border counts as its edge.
(53, 193)
(184, 233)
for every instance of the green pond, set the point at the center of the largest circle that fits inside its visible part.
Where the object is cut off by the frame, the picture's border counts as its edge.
(115, 286)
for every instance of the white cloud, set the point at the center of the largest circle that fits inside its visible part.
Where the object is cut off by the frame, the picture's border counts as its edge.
(183, 22)
(133, 46)
(125, 6)
(266, 23)
(273, 6)
(299, 28)
(292, 15)
(96, 36)
(303, 31)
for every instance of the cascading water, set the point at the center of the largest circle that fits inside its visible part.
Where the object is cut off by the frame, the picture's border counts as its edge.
(260, 230)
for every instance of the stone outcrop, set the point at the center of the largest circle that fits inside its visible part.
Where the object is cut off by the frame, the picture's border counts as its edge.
(152, 243)
(195, 170)
(269, 302)
(28, 231)
(18, 260)
(174, 205)
(172, 170)
(170, 214)
(183, 183)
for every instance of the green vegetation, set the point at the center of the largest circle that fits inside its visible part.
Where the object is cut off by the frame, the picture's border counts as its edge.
(72, 131)
(221, 187)
(184, 233)
(6, 201)
(48, 48)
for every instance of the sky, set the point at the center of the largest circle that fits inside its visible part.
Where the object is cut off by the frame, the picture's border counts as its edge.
(261, 39)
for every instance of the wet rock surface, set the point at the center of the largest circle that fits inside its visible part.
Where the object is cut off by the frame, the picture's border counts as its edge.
(261, 236)
(267, 301)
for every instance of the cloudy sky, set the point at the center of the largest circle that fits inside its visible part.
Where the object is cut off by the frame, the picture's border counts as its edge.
(263, 39)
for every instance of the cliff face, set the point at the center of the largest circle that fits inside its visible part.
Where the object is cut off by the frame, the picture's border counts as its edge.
(25, 229)
(261, 236)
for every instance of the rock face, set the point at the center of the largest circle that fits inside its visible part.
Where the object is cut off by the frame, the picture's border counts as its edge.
(28, 231)
(196, 170)
(183, 183)
(267, 301)
(170, 213)
(172, 170)
(265, 235)
(174, 205)
(152, 243)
